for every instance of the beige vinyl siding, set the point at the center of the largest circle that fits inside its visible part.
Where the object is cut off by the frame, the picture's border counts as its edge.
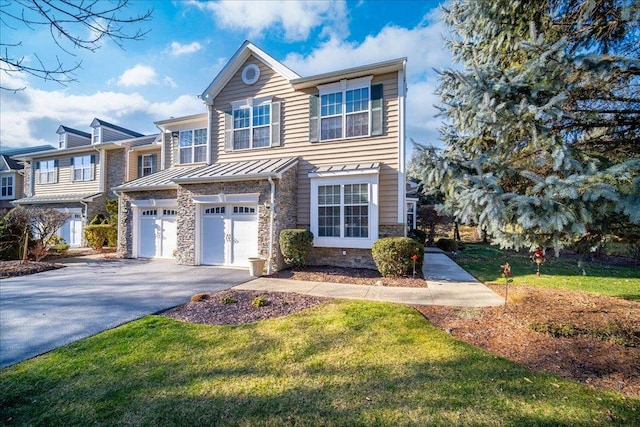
(74, 140)
(132, 161)
(65, 185)
(295, 137)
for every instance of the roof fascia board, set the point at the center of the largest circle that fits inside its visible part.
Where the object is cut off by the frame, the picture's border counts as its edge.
(164, 125)
(393, 65)
(233, 65)
(57, 152)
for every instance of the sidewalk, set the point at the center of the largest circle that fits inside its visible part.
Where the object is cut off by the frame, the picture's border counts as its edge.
(447, 284)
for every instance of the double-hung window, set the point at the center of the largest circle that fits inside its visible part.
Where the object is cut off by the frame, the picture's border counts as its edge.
(193, 146)
(147, 164)
(344, 211)
(346, 109)
(253, 123)
(6, 187)
(82, 168)
(47, 171)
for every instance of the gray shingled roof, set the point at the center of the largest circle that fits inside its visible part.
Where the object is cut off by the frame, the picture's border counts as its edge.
(229, 171)
(11, 163)
(119, 128)
(75, 131)
(56, 198)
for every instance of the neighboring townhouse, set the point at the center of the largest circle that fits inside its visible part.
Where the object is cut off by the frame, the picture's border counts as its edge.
(11, 175)
(76, 177)
(272, 151)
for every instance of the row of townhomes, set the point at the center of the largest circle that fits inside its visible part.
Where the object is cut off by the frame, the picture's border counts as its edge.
(271, 150)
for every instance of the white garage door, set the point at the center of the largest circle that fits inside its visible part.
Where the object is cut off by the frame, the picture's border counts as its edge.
(229, 235)
(157, 237)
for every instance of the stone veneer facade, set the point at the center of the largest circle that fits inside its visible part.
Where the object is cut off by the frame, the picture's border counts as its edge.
(125, 217)
(285, 211)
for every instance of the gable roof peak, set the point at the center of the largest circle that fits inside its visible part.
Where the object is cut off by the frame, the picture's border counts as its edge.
(236, 61)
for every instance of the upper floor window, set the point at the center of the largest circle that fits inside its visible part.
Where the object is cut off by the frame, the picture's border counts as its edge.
(47, 171)
(62, 140)
(147, 164)
(347, 109)
(82, 168)
(96, 135)
(193, 146)
(6, 187)
(253, 123)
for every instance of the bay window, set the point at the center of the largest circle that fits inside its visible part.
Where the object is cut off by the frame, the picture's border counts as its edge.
(344, 210)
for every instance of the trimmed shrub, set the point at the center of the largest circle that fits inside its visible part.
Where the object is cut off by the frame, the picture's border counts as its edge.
(295, 245)
(447, 245)
(101, 234)
(417, 235)
(98, 219)
(392, 255)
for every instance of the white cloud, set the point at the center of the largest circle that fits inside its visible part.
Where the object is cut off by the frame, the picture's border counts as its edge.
(169, 82)
(21, 111)
(295, 17)
(139, 75)
(177, 49)
(424, 50)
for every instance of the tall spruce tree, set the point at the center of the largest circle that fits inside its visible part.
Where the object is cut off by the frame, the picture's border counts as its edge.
(541, 120)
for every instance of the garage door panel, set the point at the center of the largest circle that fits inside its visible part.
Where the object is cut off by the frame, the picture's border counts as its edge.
(213, 240)
(158, 233)
(245, 239)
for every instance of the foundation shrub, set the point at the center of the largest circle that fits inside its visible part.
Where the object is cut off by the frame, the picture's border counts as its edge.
(447, 245)
(99, 235)
(295, 245)
(393, 255)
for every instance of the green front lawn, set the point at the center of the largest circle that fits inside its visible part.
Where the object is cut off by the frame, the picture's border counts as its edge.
(341, 363)
(484, 261)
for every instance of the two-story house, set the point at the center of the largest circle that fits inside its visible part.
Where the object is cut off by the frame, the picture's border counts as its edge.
(76, 177)
(272, 151)
(12, 174)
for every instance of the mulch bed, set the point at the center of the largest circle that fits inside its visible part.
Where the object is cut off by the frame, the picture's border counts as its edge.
(599, 361)
(17, 268)
(355, 276)
(210, 309)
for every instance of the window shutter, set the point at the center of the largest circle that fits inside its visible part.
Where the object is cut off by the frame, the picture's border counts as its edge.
(93, 167)
(139, 166)
(71, 170)
(175, 144)
(275, 125)
(72, 161)
(154, 163)
(55, 170)
(228, 131)
(37, 174)
(314, 120)
(376, 110)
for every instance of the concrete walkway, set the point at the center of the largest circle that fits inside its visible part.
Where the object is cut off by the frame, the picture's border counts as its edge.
(448, 284)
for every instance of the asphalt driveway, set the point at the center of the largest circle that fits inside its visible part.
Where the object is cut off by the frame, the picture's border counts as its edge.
(44, 311)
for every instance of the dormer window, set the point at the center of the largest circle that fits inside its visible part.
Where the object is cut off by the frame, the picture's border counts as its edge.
(97, 132)
(62, 140)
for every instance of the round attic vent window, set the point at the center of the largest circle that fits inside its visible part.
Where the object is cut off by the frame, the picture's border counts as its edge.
(250, 74)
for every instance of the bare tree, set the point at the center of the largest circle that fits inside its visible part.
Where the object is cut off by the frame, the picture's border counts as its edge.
(72, 24)
(45, 223)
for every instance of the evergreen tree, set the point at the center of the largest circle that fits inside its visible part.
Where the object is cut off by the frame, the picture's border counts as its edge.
(542, 120)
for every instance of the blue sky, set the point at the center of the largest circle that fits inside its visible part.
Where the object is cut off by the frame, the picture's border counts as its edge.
(189, 42)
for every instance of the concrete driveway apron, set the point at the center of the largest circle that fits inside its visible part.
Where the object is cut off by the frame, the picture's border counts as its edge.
(44, 311)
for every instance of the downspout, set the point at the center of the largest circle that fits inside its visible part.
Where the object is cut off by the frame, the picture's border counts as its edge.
(86, 219)
(272, 209)
(118, 225)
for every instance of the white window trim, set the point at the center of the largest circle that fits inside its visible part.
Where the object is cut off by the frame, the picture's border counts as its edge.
(96, 137)
(147, 156)
(348, 178)
(13, 186)
(343, 86)
(46, 172)
(193, 145)
(82, 167)
(250, 103)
